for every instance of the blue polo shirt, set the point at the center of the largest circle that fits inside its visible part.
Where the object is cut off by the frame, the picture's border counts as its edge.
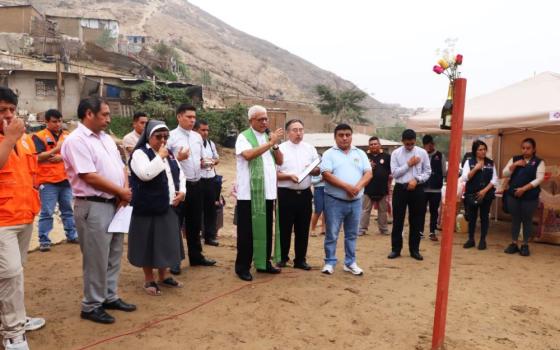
(348, 167)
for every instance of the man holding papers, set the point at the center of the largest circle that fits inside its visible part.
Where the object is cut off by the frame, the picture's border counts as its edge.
(99, 184)
(294, 193)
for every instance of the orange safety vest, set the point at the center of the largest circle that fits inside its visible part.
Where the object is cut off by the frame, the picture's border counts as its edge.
(19, 200)
(50, 172)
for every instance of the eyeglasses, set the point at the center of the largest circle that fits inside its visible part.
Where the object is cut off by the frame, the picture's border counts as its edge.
(159, 137)
(262, 119)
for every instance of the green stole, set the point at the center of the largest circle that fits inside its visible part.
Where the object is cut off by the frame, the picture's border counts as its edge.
(258, 207)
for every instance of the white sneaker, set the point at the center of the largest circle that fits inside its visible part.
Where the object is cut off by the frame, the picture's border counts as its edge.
(354, 269)
(17, 343)
(328, 269)
(34, 323)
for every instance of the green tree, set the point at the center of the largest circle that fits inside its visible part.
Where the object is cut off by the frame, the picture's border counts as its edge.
(341, 106)
(106, 39)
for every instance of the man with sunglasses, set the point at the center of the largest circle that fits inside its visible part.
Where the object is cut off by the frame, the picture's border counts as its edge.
(410, 166)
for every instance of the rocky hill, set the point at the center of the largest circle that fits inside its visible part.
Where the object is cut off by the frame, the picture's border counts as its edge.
(237, 62)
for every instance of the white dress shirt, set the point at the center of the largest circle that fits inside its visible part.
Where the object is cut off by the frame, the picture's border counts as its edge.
(129, 141)
(296, 158)
(209, 152)
(402, 173)
(147, 170)
(187, 139)
(244, 173)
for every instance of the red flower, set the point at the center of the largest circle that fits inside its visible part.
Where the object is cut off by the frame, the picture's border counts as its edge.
(438, 69)
(459, 59)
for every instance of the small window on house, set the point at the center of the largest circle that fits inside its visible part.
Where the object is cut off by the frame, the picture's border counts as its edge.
(143, 40)
(45, 87)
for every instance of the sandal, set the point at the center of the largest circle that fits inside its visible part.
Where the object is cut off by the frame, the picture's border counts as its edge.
(151, 288)
(171, 282)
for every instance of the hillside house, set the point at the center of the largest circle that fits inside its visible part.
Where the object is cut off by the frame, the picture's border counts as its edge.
(92, 30)
(19, 18)
(35, 83)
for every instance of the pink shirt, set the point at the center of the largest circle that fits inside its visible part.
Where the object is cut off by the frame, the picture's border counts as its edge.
(86, 152)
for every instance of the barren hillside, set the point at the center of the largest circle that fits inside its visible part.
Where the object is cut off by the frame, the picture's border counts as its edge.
(237, 62)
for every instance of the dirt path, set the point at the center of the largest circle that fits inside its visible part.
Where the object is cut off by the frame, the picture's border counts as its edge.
(497, 301)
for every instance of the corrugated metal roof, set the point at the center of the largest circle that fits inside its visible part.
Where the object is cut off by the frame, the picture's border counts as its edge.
(20, 63)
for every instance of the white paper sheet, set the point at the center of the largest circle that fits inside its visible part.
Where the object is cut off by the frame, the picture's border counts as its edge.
(121, 220)
(309, 169)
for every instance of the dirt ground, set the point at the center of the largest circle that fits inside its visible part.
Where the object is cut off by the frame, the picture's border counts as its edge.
(496, 301)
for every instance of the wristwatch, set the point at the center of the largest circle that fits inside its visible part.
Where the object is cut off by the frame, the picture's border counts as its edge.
(275, 147)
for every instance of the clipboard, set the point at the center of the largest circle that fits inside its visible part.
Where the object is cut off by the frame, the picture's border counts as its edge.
(307, 170)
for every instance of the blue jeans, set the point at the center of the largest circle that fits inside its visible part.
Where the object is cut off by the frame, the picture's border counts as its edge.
(51, 194)
(338, 212)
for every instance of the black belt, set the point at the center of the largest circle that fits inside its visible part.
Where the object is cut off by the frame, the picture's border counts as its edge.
(193, 183)
(406, 185)
(98, 199)
(295, 191)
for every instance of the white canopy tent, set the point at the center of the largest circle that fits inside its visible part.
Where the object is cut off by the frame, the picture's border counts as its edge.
(530, 108)
(526, 105)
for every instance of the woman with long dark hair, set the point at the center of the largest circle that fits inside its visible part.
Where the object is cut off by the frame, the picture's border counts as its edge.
(481, 179)
(526, 173)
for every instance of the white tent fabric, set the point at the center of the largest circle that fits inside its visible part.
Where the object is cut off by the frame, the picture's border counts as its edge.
(523, 105)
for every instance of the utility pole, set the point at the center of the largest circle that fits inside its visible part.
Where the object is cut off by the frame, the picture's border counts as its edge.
(58, 86)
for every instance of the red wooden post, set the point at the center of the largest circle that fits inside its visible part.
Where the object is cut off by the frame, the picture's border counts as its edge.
(449, 211)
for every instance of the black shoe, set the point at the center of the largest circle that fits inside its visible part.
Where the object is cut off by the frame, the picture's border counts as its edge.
(175, 270)
(482, 244)
(212, 242)
(469, 244)
(270, 269)
(203, 262)
(282, 263)
(512, 249)
(393, 255)
(417, 256)
(245, 276)
(524, 250)
(119, 304)
(304, 266)
(98, 315)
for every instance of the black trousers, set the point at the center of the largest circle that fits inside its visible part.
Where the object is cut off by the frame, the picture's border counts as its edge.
(413, 200)
(294, 209)
(245, 235)
(209, 209)
(432, 200)
(482, 210)
(193, 219)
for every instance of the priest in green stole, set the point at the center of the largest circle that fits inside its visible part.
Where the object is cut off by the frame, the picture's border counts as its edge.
(257, 155)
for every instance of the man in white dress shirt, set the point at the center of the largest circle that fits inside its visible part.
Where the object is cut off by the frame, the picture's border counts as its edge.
(186, 145)
(410, 166)
(257, 152)
(209, 182)
(294, 197)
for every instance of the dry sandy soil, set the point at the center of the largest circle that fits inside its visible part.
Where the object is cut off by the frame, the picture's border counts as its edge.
(496, 301)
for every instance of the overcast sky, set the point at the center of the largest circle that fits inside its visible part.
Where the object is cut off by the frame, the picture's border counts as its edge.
(388, 48)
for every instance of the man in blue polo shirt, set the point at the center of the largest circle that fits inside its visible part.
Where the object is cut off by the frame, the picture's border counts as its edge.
(346, 171)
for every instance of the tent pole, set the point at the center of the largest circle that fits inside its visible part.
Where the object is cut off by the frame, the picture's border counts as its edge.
(449, 213)
(500, 136)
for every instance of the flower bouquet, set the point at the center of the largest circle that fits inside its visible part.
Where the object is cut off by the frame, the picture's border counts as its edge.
(448, 67)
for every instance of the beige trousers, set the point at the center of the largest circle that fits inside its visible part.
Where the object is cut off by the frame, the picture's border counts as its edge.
(14, 243)
(367, 205)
